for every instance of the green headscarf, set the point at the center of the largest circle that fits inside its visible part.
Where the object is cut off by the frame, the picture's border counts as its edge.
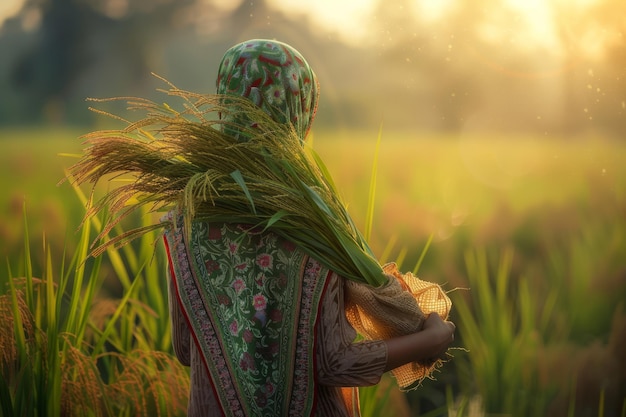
(275, 77)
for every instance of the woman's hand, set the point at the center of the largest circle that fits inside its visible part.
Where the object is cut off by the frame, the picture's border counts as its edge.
(441, 333)
(425, 346)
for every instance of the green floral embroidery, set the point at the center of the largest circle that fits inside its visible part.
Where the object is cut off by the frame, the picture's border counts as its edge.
(257, 333)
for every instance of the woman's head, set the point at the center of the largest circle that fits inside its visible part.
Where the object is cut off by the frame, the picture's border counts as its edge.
(275, 77)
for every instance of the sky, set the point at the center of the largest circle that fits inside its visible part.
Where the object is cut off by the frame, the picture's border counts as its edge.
(346, 17)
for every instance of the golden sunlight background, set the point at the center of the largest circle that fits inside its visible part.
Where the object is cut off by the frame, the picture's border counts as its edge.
(551, 67)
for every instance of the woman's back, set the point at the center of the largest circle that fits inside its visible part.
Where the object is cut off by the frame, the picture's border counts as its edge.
(268, 323)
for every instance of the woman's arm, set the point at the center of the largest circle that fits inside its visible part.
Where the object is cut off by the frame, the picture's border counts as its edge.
(343, 362)
(340, 361)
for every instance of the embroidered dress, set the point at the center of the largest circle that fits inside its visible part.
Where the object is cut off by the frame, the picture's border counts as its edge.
(249, 317)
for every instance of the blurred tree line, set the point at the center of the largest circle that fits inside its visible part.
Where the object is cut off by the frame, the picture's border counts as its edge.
(475, 67)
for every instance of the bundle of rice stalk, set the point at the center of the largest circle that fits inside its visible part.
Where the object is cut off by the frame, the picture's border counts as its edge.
(210, 162)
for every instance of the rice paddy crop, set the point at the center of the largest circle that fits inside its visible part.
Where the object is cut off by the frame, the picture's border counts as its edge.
(528, 234)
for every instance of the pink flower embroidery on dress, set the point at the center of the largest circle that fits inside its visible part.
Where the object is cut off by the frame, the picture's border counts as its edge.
(264, 260)
(276, 316)
(232, 247)
(247, 335)
(246, 362)
(223, 299)
(259, 302)
(239, 285)
(212, 266)
(259, 280)
(214, 233)
(234, 328)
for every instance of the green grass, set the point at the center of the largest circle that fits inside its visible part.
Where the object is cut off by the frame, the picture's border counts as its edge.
(67, 351)
(534, 228)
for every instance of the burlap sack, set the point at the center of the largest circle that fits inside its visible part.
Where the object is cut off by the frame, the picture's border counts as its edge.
(395, 309)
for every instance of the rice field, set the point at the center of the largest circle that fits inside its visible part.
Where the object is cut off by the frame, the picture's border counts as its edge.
(527, 233)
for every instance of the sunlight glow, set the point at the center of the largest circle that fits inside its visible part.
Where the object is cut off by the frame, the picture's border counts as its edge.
(539, 20)
(9, 8)
(116, 9)
(430, 10)
(347, 19)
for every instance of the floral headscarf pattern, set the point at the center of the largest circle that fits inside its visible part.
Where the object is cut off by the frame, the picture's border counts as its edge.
(275, 77)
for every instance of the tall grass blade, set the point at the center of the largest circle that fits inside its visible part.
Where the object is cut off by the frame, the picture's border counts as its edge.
(279, 215)
(369, 218)
(28, 265)
(455, 408)
(601, 403)
(113, 320)
(6, 402)
(23, 395)
(401, 257)
(53, 374)
(423, 254)
(87, 295)
(76, 312)
(375, 400)
(242, 183)
(322, 167)
(386, 254)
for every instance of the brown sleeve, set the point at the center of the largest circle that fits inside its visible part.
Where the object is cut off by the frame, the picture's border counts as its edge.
(340, 361)
(181, 337)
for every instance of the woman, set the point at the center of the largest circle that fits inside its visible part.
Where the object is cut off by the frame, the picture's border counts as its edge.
(261, 323)
(268, 276)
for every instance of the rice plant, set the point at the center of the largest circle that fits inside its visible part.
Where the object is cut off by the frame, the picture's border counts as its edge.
(498, 327)
(522, 357)
(97, 330)
(67, 352)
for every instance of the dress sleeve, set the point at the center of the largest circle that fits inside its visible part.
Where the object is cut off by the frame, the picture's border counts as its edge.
(340, 361)
(181, 337)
